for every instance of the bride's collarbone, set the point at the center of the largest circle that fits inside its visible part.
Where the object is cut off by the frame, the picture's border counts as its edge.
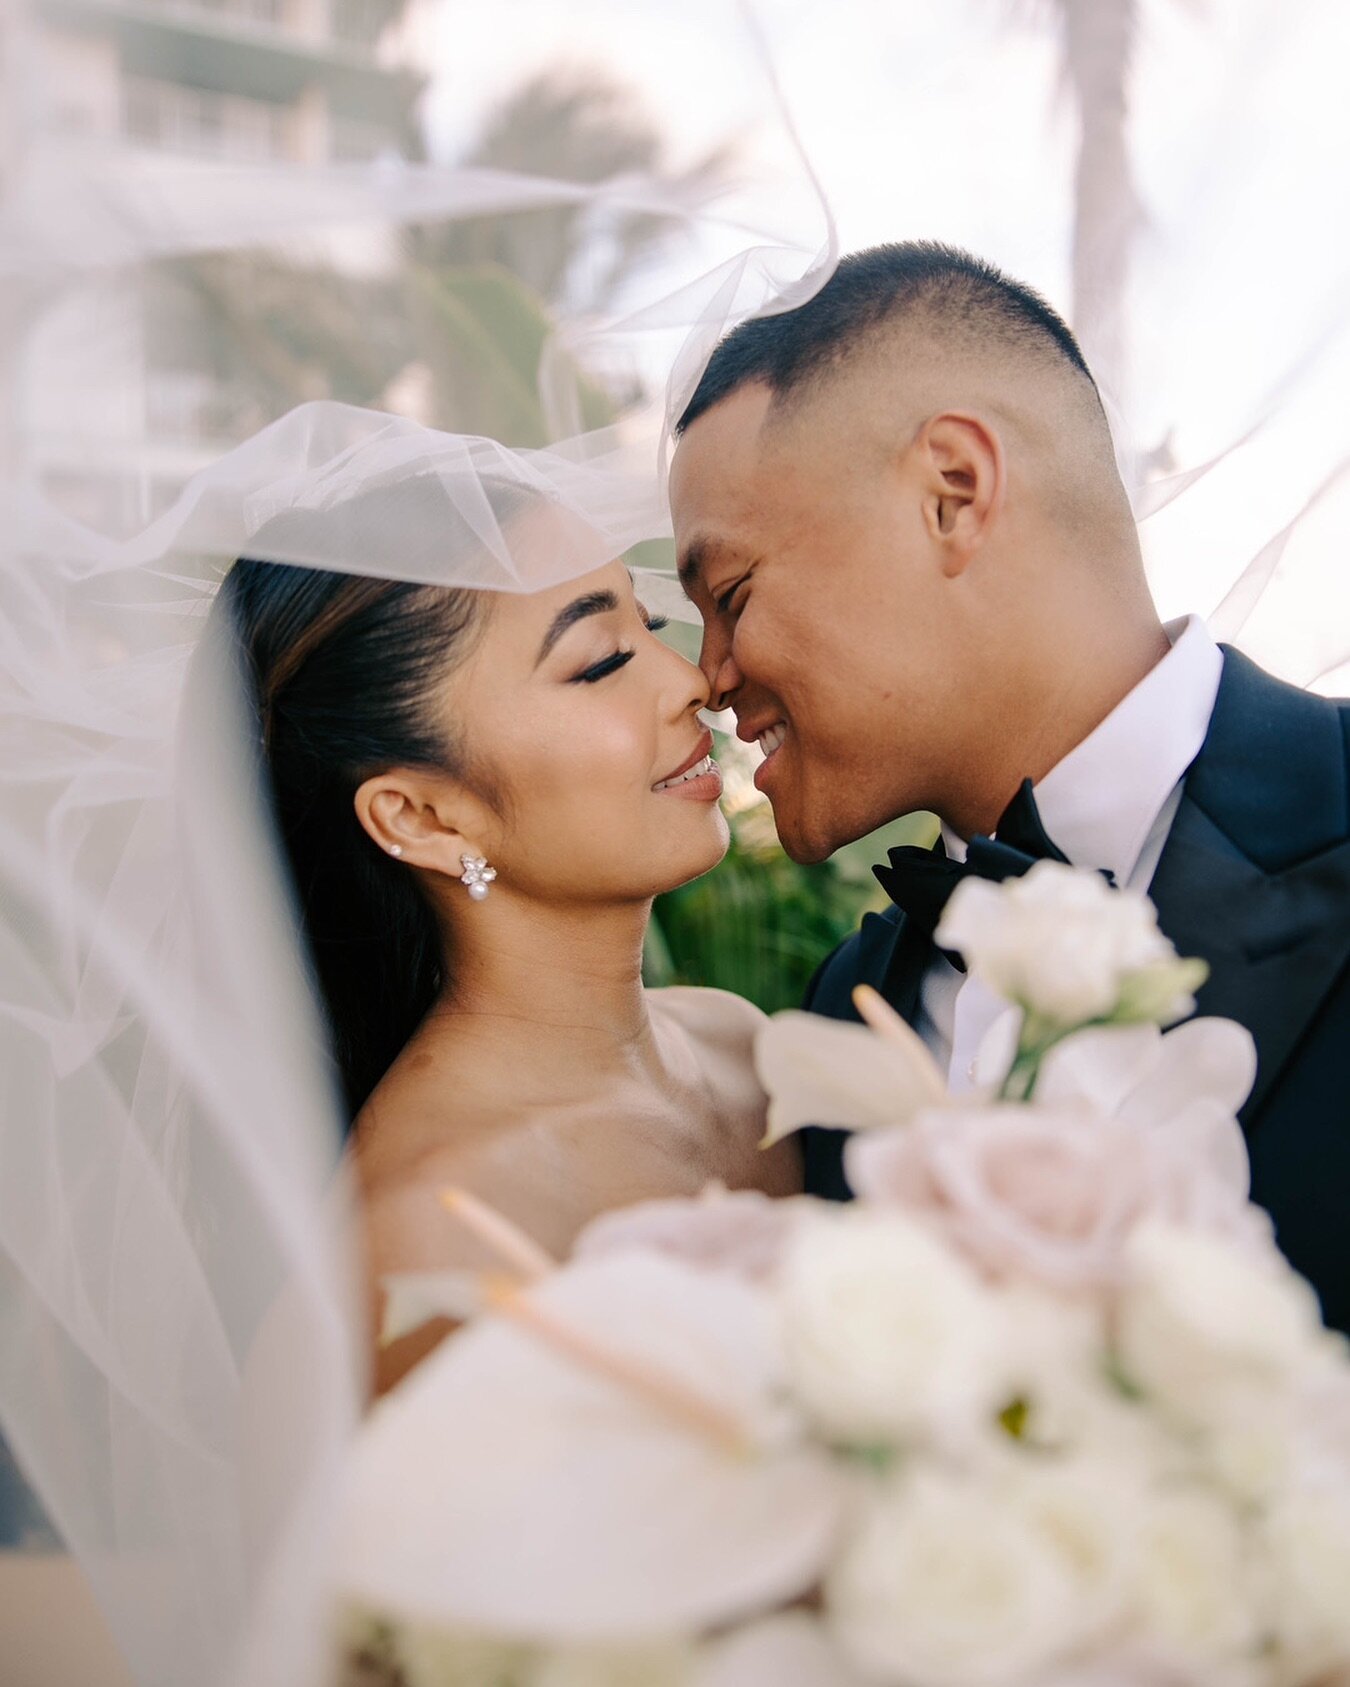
(698, 1113)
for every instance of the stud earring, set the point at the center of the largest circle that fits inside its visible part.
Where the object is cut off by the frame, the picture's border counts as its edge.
(477, 876)
(396, 849)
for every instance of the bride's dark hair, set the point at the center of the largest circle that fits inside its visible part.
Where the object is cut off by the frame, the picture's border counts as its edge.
(342, 669)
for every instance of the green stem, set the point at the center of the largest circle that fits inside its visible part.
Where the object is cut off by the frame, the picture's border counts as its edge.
(1035, 1043)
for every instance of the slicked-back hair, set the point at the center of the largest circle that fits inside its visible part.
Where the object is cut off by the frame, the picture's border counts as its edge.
(961, 293)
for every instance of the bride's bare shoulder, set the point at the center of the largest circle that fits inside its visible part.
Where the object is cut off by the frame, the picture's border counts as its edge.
(408, 1225)
(514, 1166)
(716, 1017)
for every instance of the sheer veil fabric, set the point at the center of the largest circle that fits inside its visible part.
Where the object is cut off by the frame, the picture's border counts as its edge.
(178, 1339)
(178, 1348)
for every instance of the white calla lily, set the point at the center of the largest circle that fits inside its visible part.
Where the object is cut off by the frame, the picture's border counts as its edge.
(1211, 1060)
(825, 1072)
(1097, 1068)
(609, 1462)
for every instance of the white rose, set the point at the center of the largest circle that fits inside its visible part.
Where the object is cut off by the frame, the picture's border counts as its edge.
(1305, 1542)
(1088, 1510)
(888, 1334)
(1062, 944)
(1211, 1333)
(945, 1585)
(1194, 1589)
(1252, 1454)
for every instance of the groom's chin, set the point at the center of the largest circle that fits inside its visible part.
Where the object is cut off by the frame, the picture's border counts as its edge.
(810, 833)
(801, 843)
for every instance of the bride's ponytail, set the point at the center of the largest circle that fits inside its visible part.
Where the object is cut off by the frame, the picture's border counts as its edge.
(343, 669)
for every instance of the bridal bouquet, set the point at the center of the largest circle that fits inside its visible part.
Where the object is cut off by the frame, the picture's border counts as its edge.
(1044, 1406)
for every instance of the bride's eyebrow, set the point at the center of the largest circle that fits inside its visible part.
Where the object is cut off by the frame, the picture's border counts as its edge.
(594, 603)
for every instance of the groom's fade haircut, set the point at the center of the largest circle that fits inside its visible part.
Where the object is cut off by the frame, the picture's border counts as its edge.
(955, 295)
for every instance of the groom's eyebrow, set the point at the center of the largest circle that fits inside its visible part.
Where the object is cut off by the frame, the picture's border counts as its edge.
(691, 565)
(594, 603)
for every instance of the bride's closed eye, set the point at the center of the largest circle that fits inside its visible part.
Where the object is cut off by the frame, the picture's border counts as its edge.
(620, 658)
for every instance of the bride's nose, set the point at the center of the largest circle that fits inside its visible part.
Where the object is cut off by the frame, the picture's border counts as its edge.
(688, 690)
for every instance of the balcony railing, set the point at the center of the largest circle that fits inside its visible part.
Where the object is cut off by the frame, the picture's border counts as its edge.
(175, 118)
(351, 23)
(190, 406)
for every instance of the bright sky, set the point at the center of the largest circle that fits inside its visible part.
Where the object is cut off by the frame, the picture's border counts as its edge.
(954, 120)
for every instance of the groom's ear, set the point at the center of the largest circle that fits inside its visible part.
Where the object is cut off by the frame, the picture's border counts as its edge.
(963, 476)
(423, 819)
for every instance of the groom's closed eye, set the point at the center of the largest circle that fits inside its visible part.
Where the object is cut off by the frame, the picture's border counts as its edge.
(724, 600)
(704, 572)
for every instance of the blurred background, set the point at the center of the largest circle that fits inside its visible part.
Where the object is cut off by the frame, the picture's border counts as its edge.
(1161, 169)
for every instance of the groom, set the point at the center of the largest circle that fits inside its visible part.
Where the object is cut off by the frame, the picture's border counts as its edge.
(898, 511)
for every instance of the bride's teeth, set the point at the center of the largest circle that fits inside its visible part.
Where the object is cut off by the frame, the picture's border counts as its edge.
(699, 768)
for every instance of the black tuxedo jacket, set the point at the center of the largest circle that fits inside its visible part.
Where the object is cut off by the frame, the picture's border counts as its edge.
(1255, 878)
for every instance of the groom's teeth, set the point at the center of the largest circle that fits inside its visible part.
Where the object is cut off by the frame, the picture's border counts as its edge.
(704, 766)
(772, 737)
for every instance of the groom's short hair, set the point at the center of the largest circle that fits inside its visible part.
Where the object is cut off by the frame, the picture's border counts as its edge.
(953, 290)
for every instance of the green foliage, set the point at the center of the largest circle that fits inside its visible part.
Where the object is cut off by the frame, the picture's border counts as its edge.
(760, 924)
(483, 334)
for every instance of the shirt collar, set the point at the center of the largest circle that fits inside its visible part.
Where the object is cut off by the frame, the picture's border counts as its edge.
(1101, 801)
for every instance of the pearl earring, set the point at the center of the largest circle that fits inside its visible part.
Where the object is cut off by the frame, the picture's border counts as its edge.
(477, 876)
(396, 849)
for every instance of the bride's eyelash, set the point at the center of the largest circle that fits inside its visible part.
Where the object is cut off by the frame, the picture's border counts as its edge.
(601, 670)
(620, 658)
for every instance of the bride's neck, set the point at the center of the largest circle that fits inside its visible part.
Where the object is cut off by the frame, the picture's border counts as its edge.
(532, 977)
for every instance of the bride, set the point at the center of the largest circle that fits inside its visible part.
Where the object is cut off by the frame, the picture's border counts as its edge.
(479, 794)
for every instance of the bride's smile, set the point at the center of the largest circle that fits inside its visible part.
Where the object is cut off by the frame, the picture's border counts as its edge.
(699, 777)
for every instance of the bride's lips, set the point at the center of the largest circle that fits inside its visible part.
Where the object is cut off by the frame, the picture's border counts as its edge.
(698, 777)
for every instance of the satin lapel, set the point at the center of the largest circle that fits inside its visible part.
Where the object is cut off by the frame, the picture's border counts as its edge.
(892, 955)
(1275, 942)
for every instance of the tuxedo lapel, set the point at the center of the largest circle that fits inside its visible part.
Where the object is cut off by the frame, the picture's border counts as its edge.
(892, 955)
(1255, 875)
(1275, 942)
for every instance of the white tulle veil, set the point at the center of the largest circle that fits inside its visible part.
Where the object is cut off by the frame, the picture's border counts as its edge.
(178, 1352)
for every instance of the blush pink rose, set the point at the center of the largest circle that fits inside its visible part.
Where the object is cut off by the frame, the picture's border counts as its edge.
(1047, 1193)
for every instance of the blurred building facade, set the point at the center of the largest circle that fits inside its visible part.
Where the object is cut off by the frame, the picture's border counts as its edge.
(212, 83)
(257, 81)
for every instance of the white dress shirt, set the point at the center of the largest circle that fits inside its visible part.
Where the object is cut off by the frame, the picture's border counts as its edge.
(1109, 803)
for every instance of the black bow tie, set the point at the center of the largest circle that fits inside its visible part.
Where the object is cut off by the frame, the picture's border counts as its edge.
(920, 881)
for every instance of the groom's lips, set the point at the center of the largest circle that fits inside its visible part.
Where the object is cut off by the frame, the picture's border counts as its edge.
(770, 737)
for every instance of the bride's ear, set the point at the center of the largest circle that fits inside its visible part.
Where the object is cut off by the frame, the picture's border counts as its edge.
(423, 819)
(964, 478)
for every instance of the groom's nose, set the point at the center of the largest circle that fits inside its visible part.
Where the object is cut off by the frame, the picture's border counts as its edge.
(719, 669)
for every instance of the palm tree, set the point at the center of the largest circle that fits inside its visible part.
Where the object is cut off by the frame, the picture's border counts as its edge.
(574, 126)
